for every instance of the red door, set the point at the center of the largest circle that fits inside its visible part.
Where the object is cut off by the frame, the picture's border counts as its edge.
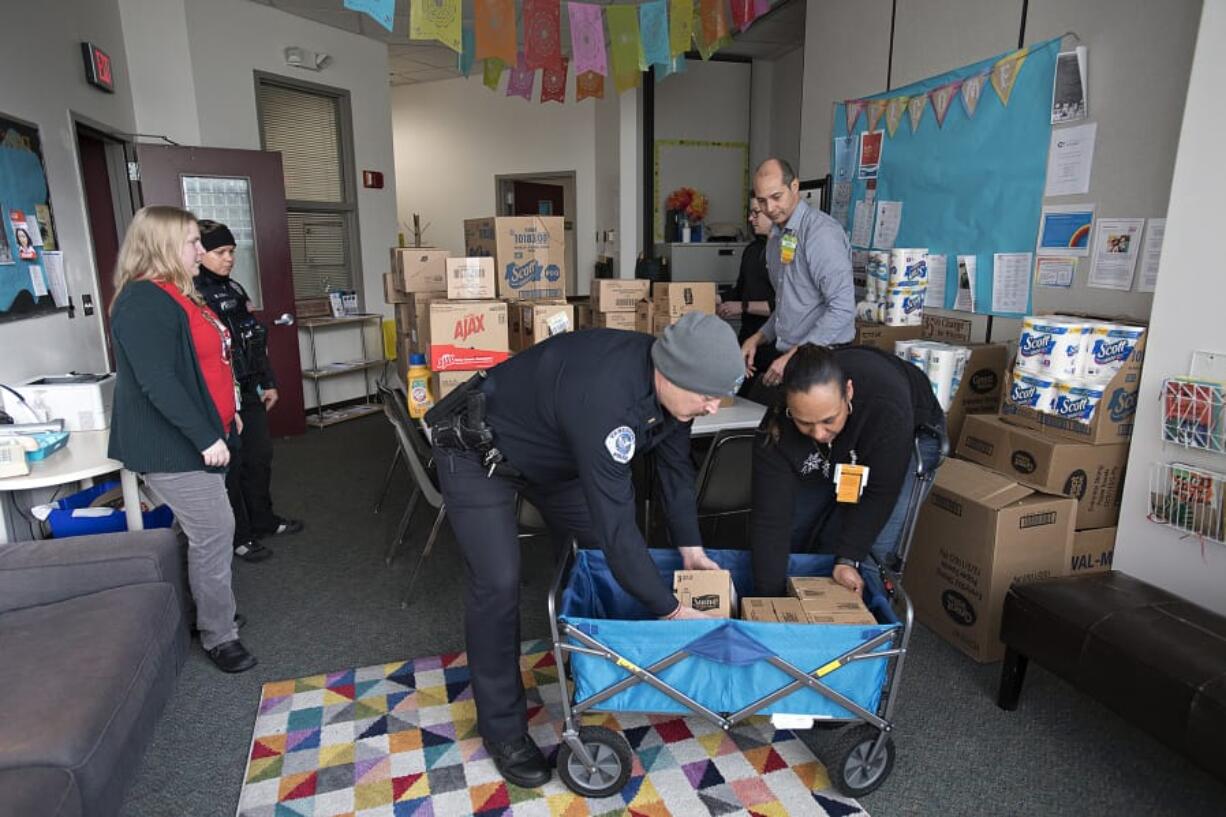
(245, 190)
(532, 199)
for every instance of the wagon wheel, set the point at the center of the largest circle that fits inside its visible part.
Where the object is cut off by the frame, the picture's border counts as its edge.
(611, 768)
(848, 760)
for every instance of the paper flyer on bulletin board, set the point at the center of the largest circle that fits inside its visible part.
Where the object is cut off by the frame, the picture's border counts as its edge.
(28, 284)
(962, 158)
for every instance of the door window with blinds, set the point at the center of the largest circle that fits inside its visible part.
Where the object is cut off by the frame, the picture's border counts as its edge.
(310, 129)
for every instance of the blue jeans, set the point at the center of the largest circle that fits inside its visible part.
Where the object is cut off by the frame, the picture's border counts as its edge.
(816, 518)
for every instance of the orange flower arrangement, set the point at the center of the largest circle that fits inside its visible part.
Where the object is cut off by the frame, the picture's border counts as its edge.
(689, 201)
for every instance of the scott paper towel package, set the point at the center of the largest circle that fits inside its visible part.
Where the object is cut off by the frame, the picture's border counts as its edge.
(942, 362)
(870, 311)
(1032, 390)
(1052, 345)
(908, 267)
(903, 347)
(877, 275)
(904, 306)
(1108, 348)
(1076, 399)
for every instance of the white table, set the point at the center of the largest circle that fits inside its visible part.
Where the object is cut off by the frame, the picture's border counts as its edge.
(742, 414)
(80, 461)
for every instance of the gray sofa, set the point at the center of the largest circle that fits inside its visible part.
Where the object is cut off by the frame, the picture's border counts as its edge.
(93, 633)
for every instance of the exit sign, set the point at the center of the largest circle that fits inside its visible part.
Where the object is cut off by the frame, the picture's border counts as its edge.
(98, 67)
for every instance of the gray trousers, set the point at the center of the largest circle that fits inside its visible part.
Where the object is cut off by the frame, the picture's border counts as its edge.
(202, 509)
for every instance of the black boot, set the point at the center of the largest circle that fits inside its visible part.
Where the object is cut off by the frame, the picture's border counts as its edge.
(520, 761)
(232, 656)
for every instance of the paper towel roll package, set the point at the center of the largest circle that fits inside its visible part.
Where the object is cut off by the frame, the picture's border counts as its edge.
(1052, 345)
(964, 356)
(908, 267)
(1032, 390)
(877, 275)
(904, 306)
(902, 348)
(1108, 348)
(870, 311)
(942, 362)
(1077, 399)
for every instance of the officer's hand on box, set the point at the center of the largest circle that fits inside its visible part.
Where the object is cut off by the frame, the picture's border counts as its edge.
(695, 558)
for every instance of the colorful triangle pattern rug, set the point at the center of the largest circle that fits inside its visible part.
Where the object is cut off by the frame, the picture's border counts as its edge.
(400, 740)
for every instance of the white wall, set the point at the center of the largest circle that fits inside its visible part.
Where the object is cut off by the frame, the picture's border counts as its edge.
(708, 102)
(1186, 317)
(45, 86)
(787, 84)
(163, 87)
(453, 137)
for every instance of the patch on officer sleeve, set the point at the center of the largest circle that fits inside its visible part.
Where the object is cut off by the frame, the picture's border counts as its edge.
(620, 443)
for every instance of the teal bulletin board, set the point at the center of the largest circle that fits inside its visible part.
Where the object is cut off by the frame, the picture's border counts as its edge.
(970, 185)
(27, 226)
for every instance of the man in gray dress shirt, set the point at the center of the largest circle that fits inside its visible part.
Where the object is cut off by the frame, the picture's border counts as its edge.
(809, 261)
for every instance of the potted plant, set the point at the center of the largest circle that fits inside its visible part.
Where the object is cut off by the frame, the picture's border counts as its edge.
(686, 207)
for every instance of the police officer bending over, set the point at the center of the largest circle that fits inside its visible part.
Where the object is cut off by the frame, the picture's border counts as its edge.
(249, 479)
(559, 424)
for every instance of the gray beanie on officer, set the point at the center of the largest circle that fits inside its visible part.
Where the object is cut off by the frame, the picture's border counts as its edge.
(700, 353)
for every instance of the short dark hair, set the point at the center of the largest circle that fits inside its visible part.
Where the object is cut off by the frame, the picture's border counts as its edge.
(811, 366)
(785, 168)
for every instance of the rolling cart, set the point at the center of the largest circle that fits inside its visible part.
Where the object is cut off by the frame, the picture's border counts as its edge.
(623, 660)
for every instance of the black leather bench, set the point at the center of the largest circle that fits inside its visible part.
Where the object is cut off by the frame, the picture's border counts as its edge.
(1152, 657)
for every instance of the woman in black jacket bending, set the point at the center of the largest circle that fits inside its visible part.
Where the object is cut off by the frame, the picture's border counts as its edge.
(854, 406)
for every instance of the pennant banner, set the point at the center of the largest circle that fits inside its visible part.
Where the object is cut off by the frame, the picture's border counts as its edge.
(496, 35)
(681, 26)
(1004, 74)
(587, 39)
(875, 108)
(381, 11)
(676, 65)
(915, 108)
(854, 107)
(627, 49)
(744, 12)
(653, 24)
(522, 80)
(542, 34)
(972, 89)
(553, 83)
(589, 85)
(436, 20)
(491, 73)
(941, 97)
(469, 54)
(711, 32)
(893, 113)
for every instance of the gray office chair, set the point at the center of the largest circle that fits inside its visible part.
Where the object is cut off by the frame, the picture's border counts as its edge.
(725, 487)
(416, 453)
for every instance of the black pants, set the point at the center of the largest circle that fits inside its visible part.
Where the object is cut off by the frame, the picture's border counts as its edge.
(249, 478)
(481, 510)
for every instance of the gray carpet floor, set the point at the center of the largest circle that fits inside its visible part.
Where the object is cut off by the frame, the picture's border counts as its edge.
(326, 602)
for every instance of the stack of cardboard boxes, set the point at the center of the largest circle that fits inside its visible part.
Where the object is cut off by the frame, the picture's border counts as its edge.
(1030, 496)
(813, 600)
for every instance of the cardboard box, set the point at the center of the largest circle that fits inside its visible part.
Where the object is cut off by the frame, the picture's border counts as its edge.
(443, 383)
(862, 616)
(789, 611)
(676, 299)
(392, 294)
(983, 381)
(660, 322)
(1113, 419)
(613, 320)
(883, 337)
(948, 329)
(419, 328)
(583, 314)
(707, 590)
(471, 279)
(419, 269)
(978, 533)
(529, 254)
(468, 335)
(405, 318)
(757, 609)
(618, 294)
(1092, 474)
(820, 590)
(1092, 551)
(541, 321)
(645, 316)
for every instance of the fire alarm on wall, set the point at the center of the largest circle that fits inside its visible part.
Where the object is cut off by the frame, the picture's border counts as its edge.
(372, 178)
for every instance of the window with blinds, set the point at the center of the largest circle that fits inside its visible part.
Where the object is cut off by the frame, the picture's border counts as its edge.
(308, 128)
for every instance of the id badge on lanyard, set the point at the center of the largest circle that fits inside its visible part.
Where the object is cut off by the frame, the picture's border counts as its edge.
(787, 247)
(849, 482)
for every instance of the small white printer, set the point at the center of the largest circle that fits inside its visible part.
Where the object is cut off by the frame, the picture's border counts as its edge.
(83, 400)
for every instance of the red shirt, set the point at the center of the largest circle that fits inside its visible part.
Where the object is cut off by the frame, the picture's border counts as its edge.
(212, 342)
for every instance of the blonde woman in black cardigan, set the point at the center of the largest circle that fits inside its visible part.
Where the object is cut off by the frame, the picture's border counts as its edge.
(176, 409)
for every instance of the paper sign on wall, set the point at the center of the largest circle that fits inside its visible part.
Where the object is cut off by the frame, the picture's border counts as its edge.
(889, 217)
(1117, 245)
(1069, 160)
(1155, 232)
(1065, 229)
(1011, 281)
(965, 299)
(1052, 271)
(870, 153)
(937, 271)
